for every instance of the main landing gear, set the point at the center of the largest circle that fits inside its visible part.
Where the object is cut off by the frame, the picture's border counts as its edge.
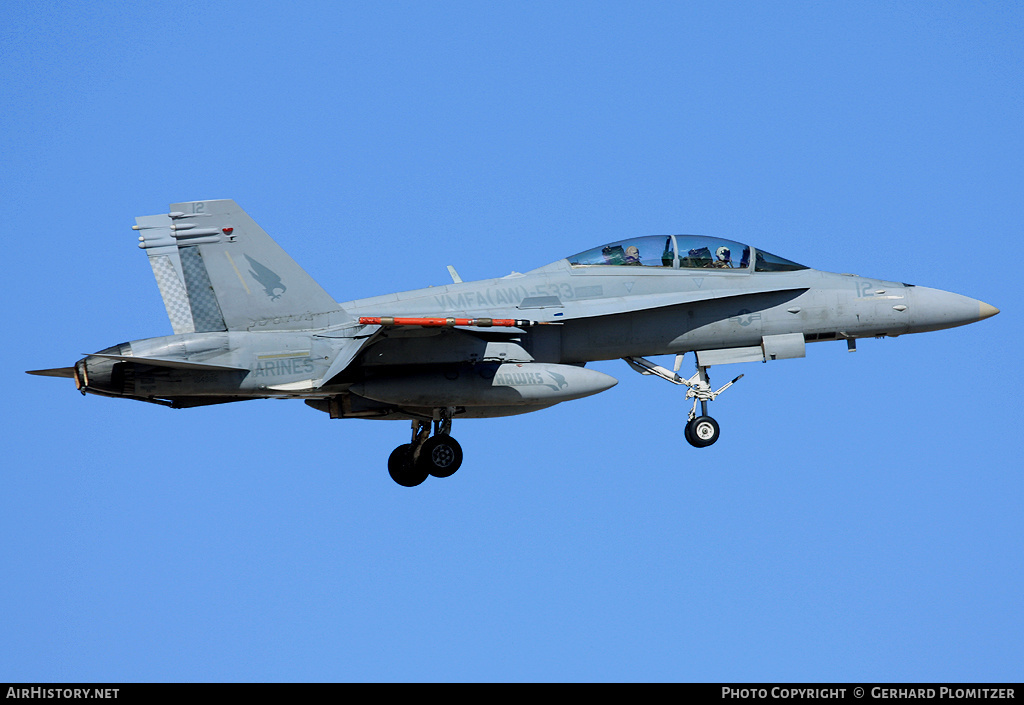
(701, 431)
(439, 455)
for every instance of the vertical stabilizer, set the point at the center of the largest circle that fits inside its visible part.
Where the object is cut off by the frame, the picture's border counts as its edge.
(236, 276)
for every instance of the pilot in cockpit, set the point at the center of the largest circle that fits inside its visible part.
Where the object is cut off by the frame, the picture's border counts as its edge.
(723, 258)
(632, 255)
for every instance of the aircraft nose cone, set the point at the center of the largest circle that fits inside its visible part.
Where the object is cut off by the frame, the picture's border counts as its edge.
(934, 309)
(986, 311)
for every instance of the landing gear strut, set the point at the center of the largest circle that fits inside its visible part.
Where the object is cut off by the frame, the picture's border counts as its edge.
(439, 455)
(701, 431)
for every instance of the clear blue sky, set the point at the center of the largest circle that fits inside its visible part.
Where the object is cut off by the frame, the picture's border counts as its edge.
(860, 518)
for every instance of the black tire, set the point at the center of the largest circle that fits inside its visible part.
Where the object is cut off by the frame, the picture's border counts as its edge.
(402, 468)
(702, 432)
(688, 434)
(440, 456)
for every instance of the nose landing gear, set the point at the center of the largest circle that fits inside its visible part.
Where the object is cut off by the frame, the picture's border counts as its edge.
(439, 455)
(701, 431)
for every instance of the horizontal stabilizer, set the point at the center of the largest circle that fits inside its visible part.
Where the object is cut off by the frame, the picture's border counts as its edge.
(55, 372)
(175, 364)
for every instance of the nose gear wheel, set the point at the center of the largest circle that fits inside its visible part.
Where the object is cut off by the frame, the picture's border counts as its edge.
(701, 431)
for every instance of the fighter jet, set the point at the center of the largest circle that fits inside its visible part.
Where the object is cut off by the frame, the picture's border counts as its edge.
(250, 323)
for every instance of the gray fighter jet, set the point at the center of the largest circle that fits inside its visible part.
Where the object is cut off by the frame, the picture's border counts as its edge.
(249, 323)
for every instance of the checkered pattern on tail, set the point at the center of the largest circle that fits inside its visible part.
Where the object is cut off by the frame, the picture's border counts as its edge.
(173, 293)
(206, 313)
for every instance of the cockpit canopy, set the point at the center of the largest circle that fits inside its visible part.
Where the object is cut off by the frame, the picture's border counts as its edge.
(683, 252)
